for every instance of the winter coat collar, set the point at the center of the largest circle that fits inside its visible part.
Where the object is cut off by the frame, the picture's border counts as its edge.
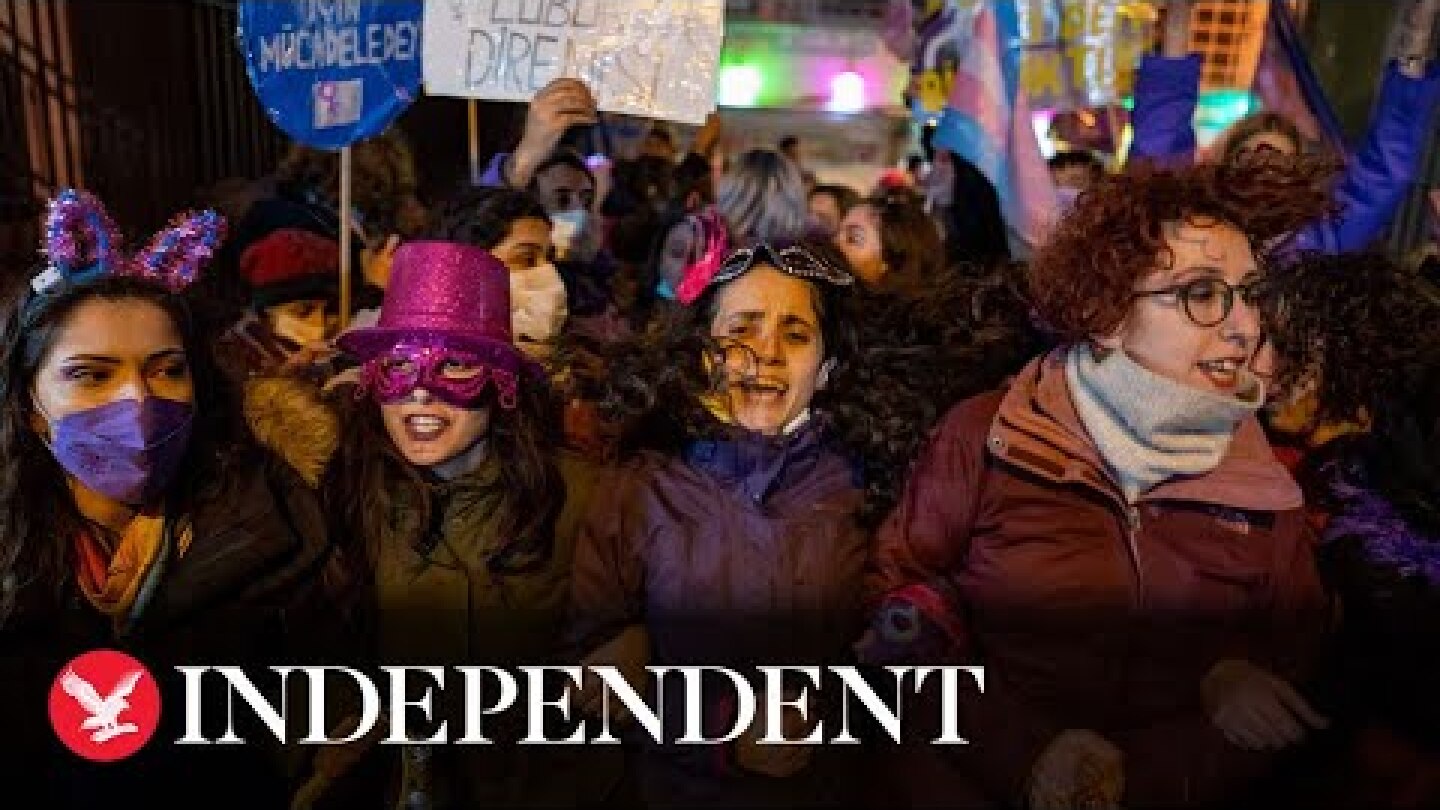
(463, 517)
(1038, 429)
(757, 466)
(255, 540)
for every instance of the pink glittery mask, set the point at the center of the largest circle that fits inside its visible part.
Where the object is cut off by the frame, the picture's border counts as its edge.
(453, 376)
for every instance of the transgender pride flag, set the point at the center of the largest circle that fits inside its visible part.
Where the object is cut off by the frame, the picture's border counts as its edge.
(988, 123)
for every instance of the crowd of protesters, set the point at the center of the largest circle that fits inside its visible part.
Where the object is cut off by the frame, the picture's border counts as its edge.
(1172, 477)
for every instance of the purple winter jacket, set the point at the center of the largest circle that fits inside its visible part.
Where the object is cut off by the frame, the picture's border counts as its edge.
(1376, 177)
(742, 552)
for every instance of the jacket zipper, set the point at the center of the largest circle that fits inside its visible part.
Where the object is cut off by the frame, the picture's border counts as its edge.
(1132, 532)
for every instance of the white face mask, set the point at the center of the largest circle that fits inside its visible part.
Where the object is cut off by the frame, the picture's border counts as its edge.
(570, 234)
(537, 305)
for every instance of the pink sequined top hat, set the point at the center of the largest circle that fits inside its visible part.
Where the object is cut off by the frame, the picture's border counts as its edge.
(446, 292)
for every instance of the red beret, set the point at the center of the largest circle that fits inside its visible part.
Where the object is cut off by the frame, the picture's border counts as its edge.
(290, 255)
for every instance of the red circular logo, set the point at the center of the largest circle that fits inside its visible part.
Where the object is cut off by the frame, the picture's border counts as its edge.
(104, 705)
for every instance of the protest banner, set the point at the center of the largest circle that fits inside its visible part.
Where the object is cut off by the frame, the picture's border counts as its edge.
(1081, 53)
(654, 58)
(1073, 53)
(333, 72)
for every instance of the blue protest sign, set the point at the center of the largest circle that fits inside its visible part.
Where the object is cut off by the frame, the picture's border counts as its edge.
(332, 72)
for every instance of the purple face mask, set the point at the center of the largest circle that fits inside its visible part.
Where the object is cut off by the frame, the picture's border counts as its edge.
(126, 450)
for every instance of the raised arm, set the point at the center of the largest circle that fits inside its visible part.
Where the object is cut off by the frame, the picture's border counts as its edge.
(1167, 88)
(1380, 173)
(560, 105)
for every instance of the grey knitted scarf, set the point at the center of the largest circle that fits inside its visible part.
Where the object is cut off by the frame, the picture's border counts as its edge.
(1149, 428)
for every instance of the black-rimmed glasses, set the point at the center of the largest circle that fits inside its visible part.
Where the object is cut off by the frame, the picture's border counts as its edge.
(1208, 301)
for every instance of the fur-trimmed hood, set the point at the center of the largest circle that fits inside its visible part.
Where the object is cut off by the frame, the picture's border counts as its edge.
(290, 418)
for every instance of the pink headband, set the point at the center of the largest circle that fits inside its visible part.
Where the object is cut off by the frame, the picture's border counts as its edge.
(697, 275)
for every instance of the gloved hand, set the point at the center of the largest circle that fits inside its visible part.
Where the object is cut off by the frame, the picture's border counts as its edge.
(1254, 709)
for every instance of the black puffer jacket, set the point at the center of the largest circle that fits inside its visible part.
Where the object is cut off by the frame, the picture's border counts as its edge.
(246, 592)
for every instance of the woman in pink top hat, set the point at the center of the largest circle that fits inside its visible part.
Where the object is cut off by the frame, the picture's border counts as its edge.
(446, 484)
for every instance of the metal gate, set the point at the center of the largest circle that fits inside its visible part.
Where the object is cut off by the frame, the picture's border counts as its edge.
(81, 106)
(39, 140)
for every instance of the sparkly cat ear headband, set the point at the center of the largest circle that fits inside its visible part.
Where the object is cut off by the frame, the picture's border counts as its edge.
(82, 244)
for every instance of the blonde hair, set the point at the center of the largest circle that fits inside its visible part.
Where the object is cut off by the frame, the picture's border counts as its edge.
(763, 198)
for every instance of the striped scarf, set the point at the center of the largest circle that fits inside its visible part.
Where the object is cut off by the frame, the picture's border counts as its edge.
(119, 584)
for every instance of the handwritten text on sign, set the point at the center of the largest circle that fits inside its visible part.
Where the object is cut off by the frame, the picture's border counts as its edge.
(331, 72)
(335, 36)
(655, 58)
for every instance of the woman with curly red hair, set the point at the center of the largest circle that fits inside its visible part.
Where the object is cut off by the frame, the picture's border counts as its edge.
(1111, 536)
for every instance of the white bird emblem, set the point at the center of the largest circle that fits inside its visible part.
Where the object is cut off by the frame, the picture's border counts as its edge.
(104, 712)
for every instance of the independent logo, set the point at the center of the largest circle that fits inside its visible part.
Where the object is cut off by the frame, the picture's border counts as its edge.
(104, 705)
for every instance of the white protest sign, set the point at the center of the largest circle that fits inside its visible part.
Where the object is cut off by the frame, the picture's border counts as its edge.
(655, 58)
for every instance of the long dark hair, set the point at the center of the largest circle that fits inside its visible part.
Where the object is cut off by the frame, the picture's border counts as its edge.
(1359, 329)
(974, 222)
(372, 479)
(919, 356)
(910, 243)
(40, 516)
(653, 384)
(1357, 325)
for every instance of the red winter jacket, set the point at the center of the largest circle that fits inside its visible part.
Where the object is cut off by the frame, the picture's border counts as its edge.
(1087, 612)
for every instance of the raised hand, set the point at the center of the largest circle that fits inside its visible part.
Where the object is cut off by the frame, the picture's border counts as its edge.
(560, 105)
(1176, 39)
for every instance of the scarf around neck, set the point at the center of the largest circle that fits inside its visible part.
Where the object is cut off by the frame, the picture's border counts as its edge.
(1149, 428)
(120, 584)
